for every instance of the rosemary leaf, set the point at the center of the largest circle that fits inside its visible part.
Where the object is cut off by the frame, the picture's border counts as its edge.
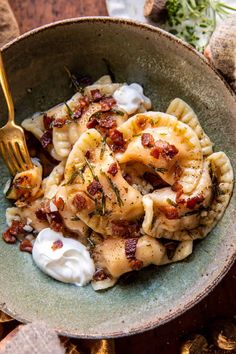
(171, 202)
(114, 188)
(160, 169)
(103, 147)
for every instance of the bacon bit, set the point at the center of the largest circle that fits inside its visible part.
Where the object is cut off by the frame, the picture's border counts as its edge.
(107, 103)
(77, 114)
(170, 247)
(92, 123)
(96, 95)
(80, 202)
(57, 245)
(87, 154)
(84, 102)
(170, 212)
(130, 248)
(46, 139)
(26, 246)
(147, 140)
(127, 177)
(59, 202)
(125, 228)
(8, 237)
(192, 202)
(118, 143)
(164, 149)
(59, 122)
(154, 180)
(113, 169)
(41, 214)
(107, 122)
(14, 231)
(94, 187)
(55, 220)
(136, 264)
(142, 121)
(100, 274)
(178, 188)
(47, 121)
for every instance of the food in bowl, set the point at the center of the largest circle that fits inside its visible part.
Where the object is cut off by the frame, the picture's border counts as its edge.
(130, 187)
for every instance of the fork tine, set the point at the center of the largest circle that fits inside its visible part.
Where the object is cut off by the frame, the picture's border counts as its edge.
(18, 155)
(5, 156)
(13, 161)
(23, 151)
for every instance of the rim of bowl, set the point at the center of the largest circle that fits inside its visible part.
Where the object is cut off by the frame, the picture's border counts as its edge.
(230, 261)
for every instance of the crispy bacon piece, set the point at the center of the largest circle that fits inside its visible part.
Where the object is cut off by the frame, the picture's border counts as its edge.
(118, 143)
(147, 140)
(125, 228)
(59, 202)
(57, 245)
(113, 169)
(84, 102)
(87, 154)
(130, 250)
(77, 113)
(192, 202)
(164, 150)
(178, 188)
(92, 123)
(100, 274)
(8, 237)
(55, 220)
(41, 214)
(94, 187)
(178, 172)
(136, 264)
(130, 247)
(26, 246)
(107, 103)
(59, 122)
(170, 212)
(14, 231)
(107, 122)
(96, 95)
(46, 139)
(47, 121)
(170, 246)
(80, 202)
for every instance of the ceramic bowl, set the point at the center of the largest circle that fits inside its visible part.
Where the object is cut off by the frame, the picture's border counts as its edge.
(166, 68)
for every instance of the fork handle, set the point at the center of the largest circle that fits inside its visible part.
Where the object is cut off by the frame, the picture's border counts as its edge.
(6, 91)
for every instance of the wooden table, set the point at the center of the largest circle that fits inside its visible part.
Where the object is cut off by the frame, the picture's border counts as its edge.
(221, 302)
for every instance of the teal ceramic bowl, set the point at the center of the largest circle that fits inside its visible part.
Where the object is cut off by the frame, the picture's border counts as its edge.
(166, 68)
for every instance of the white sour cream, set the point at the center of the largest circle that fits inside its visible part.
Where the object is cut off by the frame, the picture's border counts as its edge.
(64, 259)
(130, 98)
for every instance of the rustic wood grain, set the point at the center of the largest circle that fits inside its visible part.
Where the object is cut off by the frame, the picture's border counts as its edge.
(35, 13)
(221, 302)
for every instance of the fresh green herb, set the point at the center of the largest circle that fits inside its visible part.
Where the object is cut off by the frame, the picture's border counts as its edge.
(194, 20)
(118, 112)
(77, 172)
(103, 147)
(91, 243)
(160, 169)
(136, 135)
(90, 168)
(69, 110)
(171, 202)
(114, 188)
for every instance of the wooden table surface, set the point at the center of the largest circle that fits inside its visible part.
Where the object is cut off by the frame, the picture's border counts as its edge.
(221, 302)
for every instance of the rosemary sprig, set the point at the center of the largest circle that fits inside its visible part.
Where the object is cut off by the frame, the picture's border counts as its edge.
(77, 172)
(171, 202)
(114, 188)
(69, 110)
(103, 147)
(90, 168)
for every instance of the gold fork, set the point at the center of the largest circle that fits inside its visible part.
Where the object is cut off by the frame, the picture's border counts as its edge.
(12, 139)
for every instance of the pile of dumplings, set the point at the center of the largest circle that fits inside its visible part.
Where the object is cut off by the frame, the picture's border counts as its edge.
(136, 191)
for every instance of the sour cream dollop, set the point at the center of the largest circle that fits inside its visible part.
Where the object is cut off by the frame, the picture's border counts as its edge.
(64, 259)
(130, 98)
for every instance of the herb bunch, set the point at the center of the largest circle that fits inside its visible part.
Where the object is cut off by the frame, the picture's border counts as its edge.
(195, 20)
